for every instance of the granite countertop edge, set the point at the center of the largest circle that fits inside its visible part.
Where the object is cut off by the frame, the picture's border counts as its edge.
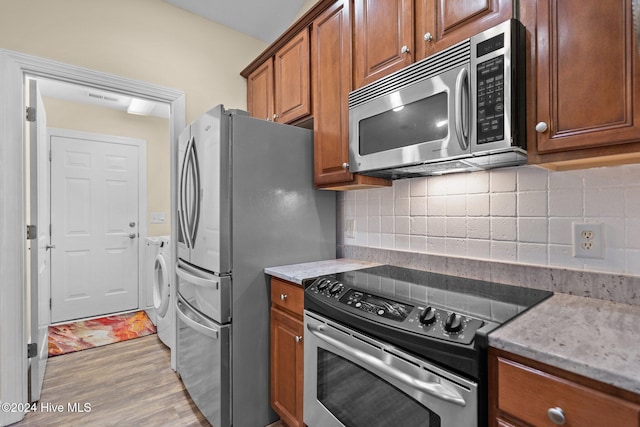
(296, 273)
(604, 352)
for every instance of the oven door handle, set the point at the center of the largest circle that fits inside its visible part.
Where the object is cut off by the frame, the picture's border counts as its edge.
(432, 388)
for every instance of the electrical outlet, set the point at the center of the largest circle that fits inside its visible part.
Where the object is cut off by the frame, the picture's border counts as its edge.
(350, 228)
(588, 241)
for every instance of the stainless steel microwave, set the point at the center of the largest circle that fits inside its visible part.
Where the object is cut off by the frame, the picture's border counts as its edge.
(461, 109)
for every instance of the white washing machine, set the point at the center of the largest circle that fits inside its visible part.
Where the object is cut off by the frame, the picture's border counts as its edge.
(162, 295)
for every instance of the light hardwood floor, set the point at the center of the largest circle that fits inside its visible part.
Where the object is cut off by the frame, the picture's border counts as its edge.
(126, 384)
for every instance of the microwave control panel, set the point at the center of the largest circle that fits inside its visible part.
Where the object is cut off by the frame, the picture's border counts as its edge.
(491, 100)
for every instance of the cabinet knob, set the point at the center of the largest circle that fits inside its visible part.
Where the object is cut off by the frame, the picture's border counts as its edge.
(345, 165)
(556, 415)
(275, 116)
(268, 119)
(284, 296)
(405, 49)
(541, 127)
(427, 37)
(298, 338)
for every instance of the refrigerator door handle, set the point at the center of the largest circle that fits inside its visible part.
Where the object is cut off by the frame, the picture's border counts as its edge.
(184, 187)
(200, 281)
(196, 192)
(181, 310)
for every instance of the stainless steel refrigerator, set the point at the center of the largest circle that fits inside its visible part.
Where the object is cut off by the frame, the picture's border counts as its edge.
(245, 201)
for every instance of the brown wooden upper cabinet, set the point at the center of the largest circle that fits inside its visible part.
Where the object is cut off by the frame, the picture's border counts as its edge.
(279, 89)
(260, 91)
(331, 81)
(588, 108)
(383, 38)
(443, 23)
(391, 34)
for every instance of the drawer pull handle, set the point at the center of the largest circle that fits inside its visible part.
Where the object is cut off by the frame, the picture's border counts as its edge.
(284, 296)
(556, 415)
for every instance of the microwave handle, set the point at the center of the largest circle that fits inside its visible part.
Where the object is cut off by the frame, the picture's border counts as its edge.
(461, 132)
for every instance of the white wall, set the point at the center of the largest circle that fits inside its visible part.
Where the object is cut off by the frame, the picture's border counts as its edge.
(148, 40)
(522, 215)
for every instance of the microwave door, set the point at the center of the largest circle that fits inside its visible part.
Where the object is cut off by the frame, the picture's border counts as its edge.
(427, 121)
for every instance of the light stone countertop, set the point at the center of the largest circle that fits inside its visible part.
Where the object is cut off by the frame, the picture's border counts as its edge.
(297, 272)
(591, 337)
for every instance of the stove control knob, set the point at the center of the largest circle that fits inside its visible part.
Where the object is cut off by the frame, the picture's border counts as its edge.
(323, 284)
(337, 287)
(453, 323)
(427, 316)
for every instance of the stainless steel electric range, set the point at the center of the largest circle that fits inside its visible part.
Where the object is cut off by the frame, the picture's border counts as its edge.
(393, 346)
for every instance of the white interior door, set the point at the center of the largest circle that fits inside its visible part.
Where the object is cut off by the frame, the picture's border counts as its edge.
(40, 274)
(95, 220)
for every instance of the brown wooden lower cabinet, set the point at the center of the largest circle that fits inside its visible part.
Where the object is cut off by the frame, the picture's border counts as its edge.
(287, 351)
(524, 392)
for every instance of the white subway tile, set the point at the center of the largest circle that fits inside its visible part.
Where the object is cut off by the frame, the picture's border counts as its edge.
(477, 182)
(437, 186)
(503, 180)
(374, 224)
(566, 203)
(456, 227)
(436, 205)
(402, 206)
(436, 226)
(418, 187)
(478, 228)
(387, 224)
(562, 256)
(633, 233)
(419, 225)
(633, 262)
(403, 242)
(456, 205)
(419, 244)
(532, 203)
(456, 184)
(373, 206)
(631, 175)
(503, 229)
(456, 247)
(566, 180)
(531, 253)
(436, 245)
(362, 238)
(561, 230)
(387, 241)
(632, 199)
(362, 207)
(614, 261)
(532, 178)
(349, 208)
(533, 230)
(503, 204)
(504, 251)
(613, 230)
(403, 225)
(374, 240)
(401, 188)
(603, 177)
(478, 204)
(387, 206)
(418, 206)
(604, 202)
(480, 249)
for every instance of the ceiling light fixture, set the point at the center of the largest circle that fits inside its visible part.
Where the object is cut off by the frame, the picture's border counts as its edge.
(140, 107)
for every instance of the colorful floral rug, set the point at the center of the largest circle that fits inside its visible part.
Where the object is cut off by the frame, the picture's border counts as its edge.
(76, 336)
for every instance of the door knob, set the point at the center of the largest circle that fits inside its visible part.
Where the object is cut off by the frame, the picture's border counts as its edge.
(132, 235)
(132, 224)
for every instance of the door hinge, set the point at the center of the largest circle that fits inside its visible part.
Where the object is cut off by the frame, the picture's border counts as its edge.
(50, 230)
(32, 232)
(50, 303)
(31, 114)
(32, 350)
(49, 155)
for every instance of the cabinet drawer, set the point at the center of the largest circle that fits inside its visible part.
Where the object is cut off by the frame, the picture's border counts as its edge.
(288, 296)
(529, 394)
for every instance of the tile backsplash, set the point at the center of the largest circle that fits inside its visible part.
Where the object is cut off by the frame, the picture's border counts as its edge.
(518, 215)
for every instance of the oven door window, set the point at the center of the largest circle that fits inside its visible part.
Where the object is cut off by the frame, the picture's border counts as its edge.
(421, 121)
(359, 398)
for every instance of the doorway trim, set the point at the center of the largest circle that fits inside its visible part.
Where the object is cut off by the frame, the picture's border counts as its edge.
(14, 67)
(141, 144)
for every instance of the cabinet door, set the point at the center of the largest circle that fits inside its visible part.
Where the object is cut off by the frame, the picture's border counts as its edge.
(443, 23)
(292, 92)
(260, 91)
(287, 373)
(383, 38)
(588, 75)
(331, 62)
